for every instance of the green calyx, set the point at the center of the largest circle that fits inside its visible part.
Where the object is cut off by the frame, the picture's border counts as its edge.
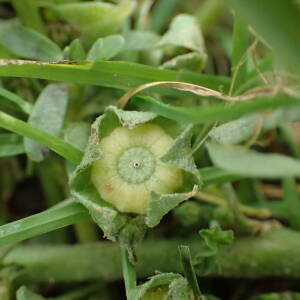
(136, 165)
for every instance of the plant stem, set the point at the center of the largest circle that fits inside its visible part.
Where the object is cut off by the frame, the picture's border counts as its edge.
(271, 254)
(86, 232)
(208, 13)
(233, 204)
(292, 202)
(248, 210)
(240, 45)
(129, 274)
(162, 12)
(189, 271)
(59, 146)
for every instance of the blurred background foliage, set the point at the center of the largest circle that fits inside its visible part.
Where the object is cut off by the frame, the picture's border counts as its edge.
(236, 47)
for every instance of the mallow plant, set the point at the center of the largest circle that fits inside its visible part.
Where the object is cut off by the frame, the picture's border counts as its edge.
(149, 149)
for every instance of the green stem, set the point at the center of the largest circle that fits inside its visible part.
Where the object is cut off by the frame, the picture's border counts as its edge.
(234, 206)
(162, 12)
(202, 137)
(247, 210)
(59, 146)
(292, 201)
(189, 271)
(272, 254)
(86, 232)
(129, 274)
(240, 45)
(208, 13)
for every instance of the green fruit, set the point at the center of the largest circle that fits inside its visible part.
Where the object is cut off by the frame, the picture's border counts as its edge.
(130, 167)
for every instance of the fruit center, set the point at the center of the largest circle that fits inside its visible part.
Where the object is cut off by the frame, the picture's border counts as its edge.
(136, 165)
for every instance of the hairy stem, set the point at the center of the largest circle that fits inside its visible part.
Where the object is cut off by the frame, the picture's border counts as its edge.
(274, 254)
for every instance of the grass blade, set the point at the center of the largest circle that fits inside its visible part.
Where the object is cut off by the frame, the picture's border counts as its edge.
(43, 222)
(278, 22)
(15, 101)
(115, 74)
(239, 49)
(292, 201)
(189, 271)
(59, 146)
(218, 112)
(10, 144)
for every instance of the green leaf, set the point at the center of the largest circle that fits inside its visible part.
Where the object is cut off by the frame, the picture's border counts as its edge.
(235, 131)
(137, 40)
(131, 235)
(180, 154)
(59, 216)
(95, 19)
(161, 286)
(216, 237)
(240, 44)
(191, 61)
(122, 75)
(162, 12)
(292, 202)
(189, 271)
(106, 217)
(239, 130)
(218, 112)
(76, 51)
(27, 43)
(106, 48)
(64, 149)
(48, 114)
(24, 293)
(77, 134)
(160, 204)
(10, 144)
(242, 161)
(278, 22)
(15, 101)
(215, 175)
(28, 12)
(184, 32)
(208, 258)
